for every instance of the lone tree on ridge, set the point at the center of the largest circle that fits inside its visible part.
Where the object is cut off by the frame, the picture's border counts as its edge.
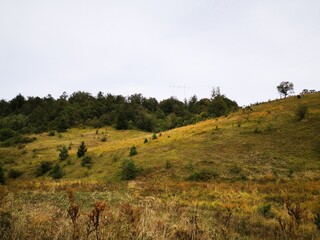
(285, 88)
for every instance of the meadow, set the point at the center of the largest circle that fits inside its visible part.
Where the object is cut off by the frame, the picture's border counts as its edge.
(253, 174)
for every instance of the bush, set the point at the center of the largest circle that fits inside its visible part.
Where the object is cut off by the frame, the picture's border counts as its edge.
(63, 153)
(301, 112)
(128, 170)
(56, 172)
(154, 136)
(265, 210)
(13, 173)
(82, 150)
(51, 133)
(133, 151)
(203, 175)
(145, 140)
(168, 164)
(43, 168)
(2, 178)
(6, 133)
(103, 139)
(16, 140)
(86, 161)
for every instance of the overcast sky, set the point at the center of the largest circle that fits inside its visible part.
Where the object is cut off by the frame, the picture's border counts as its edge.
(247, 47)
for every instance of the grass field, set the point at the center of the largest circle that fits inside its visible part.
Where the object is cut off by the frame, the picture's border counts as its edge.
(254, 174)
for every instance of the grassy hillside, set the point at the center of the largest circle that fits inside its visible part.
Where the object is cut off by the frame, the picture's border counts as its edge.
(255, 165)
(263, 143)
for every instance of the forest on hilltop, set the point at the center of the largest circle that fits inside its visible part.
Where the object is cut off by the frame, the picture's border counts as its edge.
(35, 115)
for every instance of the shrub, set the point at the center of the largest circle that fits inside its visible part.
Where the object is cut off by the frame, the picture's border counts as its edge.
(16, 140)
(86, 161)
(265, 210)
(203, 175)
(82, 150)
(154, 136)
(6, 133)
(103, 139)
(63, 153)
(56, 172)
(145, 140)
(133, 151)
(168, 164)
(13, 173)
(43, 168)
(128, 170)
(257, 130)
(2, 178)
(301, 112)
(51, 133)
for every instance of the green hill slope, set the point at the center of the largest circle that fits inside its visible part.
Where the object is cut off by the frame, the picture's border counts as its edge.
(261, 143)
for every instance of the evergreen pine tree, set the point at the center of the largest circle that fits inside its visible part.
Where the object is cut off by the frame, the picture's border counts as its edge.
(81, 150)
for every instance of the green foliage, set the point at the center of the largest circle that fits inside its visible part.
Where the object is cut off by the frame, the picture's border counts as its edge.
(51, 133)
(43, 168)
(265, 210)
(17, 139)
(285, 88)
(168, 164)
(57, 172)
(36, 115)
(103, 139)
(2, 177)
(86, 162)
(63, 153)
(129, 170)
(203, 175)
(6, 133)
(301, 112)
(154, 136)
(82, 150)
(133, 151)
(14, 173)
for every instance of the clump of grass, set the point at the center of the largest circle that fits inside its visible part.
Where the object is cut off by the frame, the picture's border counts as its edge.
(145, 140)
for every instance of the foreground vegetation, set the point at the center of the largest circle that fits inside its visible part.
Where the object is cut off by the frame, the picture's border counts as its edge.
(251, 175)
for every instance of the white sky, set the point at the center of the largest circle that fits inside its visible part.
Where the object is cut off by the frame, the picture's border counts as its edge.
(246, 47)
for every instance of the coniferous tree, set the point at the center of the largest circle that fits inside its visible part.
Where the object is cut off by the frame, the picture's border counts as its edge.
(82, 150)
(63, 155)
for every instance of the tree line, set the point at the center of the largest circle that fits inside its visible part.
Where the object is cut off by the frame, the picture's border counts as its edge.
(35, 115)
